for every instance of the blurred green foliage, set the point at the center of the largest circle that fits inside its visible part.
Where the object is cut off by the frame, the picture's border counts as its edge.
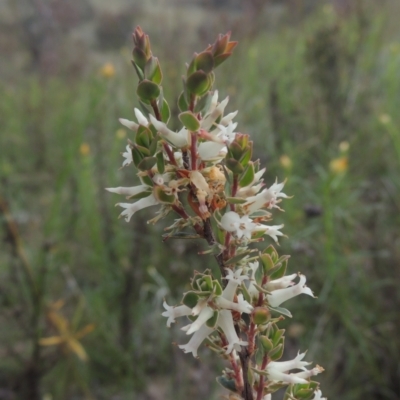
(321, 100)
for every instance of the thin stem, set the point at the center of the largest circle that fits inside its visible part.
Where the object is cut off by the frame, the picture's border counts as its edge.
(193, 150)
(245, 360)
(170, 154)
(261, 381)
(156, 110)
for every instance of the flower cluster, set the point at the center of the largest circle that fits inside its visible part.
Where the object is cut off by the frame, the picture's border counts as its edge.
(204, 173)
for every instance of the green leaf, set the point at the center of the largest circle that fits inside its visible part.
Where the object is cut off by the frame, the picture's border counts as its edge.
(138, 70)
(198, 83)
(246, 156)
(266, 343)
(137, 156)
(217, 289)
(234, 260)
(235, 200)
(227, 383)
(282, 311)
(147, 180)
(141, 195)
(277, 336)
(247, 176)
(190, 121)
(147, 163)
(148, 91)
(218, 60)
(246, 293)
(192, 66)
(139, 57)
(182, 103)
(160, 162)
(276, 353)
(190, 299)
(235, 150)
(303, 394)
(272, 252)
(144, 136)
(279, 270)
(234, 166)
(163, 197)
(152, 70)
(165, 111)
(205, 62)
(153, 145)
(212, 322)
(203, 103)
(267, 263)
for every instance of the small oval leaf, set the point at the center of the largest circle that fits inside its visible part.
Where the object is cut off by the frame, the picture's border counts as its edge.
(190, 121)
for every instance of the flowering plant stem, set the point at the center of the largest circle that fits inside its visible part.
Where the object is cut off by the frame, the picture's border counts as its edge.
(204, 173)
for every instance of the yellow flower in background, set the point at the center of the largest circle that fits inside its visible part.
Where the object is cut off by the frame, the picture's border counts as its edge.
(385, 119)
(84, 149)
(107, 70)
(344, 146)
(120, 133)
(67, 339)
(285, 161)
(339, 165)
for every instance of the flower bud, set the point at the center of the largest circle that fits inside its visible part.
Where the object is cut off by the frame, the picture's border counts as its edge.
(261, 315)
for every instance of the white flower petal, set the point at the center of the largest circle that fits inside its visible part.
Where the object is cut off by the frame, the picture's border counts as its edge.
(141, 118)
(129, 124)
(279, 296)
(131, 208)
(175, 312)
(196, 340)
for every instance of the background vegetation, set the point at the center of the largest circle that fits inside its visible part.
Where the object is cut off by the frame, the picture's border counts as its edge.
(318, 87)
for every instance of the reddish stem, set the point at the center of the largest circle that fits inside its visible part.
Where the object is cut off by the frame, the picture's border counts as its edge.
(234, 190)
(179, 210)
(170, 154)
(156, 110)
(261, 382)
(193, 150)
(250, 338)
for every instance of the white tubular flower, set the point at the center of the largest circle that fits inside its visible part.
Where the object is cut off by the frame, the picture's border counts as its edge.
(268, 198)
(254, 187)
(228, 118)
(196, 340)
(278, 371)
(241, 306)
(199, 181)
(178, 139)
(234, 280)
(129, 191)
(131, 208)
(226, 133)
(211, 151)
(272, 231)
(205, 314)
(307, 373)
(225, 322)
(175, 312)
(317, 395)
(213, 113)
(267, 397)
(241, 226)
(129, 124)
(280, 283)
(253, 291)
(128, 156)
(277, 297)
(141, 118)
